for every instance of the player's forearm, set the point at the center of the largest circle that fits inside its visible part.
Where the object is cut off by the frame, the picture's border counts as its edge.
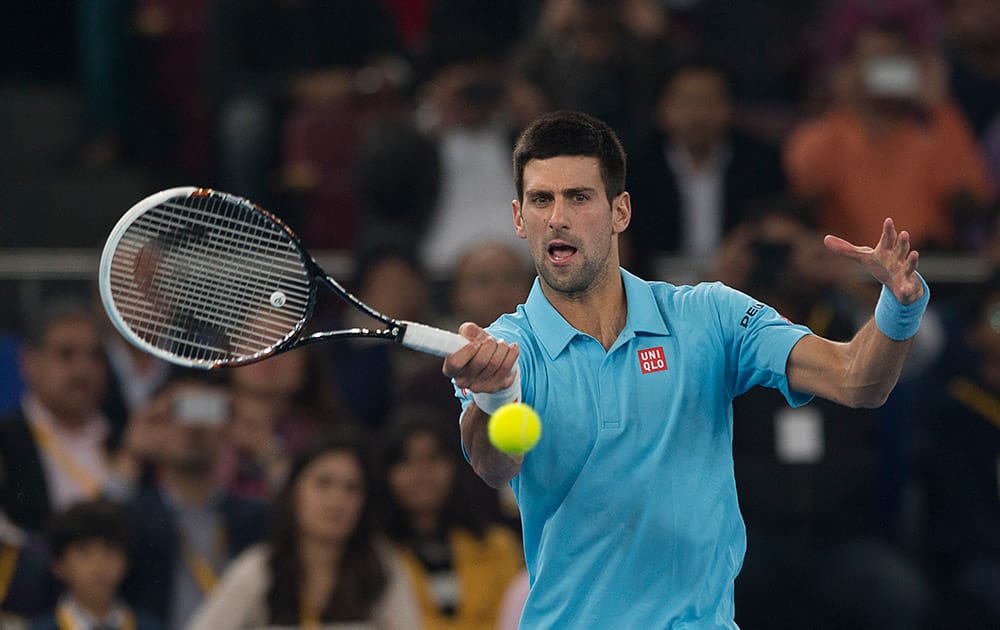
(873, 364)
(492, 466)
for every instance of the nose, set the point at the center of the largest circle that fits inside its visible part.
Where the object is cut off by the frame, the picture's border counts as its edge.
(559, 219)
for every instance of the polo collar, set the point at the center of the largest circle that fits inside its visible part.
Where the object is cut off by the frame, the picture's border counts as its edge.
(555, 333)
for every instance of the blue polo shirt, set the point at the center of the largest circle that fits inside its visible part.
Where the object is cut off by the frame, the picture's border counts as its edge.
(628, 503)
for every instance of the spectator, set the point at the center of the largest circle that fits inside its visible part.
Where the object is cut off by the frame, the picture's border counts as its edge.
(489, 279)
(463, 108)
(459, 565)
(26, 586)
(699, 174)
(959, 458)
(812, 563)
(270, 57)
(187, 526)
(974, 56)
(53, 449)
(90, 544)
(279, 405)
(599, 56)
(324, 562)
(370, 375)
(892, 140)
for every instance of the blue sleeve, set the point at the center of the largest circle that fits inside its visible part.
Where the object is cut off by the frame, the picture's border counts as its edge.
(758, 341)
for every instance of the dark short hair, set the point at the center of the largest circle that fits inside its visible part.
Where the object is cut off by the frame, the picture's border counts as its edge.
(569, 133)
(695, 64)
(99, 519)
(55, 312)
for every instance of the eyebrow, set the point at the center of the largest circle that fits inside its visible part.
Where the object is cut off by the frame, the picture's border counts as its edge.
(566, 192)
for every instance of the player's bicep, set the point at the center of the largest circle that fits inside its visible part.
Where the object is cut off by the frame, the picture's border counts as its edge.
(817, 366)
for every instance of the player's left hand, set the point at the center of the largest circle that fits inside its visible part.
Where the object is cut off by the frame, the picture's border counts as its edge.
(891, 262)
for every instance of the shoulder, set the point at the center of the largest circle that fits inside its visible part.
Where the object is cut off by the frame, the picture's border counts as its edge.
(251, 565)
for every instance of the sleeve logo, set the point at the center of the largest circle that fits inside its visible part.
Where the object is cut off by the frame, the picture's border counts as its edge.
(753, 310)
(652, 360)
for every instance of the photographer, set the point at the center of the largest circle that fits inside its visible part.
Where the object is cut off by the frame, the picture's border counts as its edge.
(187, 527)
(891, 139)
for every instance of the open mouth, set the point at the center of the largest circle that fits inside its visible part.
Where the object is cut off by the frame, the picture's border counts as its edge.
(560, 252)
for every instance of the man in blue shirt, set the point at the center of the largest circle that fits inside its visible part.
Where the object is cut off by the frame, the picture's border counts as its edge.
(628, 503)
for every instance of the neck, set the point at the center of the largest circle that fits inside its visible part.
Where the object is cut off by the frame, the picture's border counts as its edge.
(318, 556)
(191, 488)
(425, 523)
(700, 155)
(96, 606)
(601, 311)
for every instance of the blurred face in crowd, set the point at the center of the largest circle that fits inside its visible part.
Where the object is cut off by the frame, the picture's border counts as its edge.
(92, 569)
(975, 24)
(395, 288)
(886, 69)
(490, 280)
(424, 478)
(329, 497)
(194, 420)
(695, 110)
(281, 375)
(67, 370)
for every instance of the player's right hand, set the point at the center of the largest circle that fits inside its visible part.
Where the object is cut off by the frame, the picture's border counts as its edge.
(483, 365)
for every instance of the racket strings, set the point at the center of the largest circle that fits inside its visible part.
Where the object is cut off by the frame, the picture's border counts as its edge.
(209, 278)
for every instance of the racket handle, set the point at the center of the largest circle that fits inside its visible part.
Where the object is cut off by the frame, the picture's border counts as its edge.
(424, 338)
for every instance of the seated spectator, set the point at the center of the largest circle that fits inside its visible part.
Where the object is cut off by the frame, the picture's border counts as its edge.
(460, 566)
(278, 406)
(699, 175)
(817, 556)
(489, 279)
(90, 544)
(187, 526)
(959, 465)
(26, 585)
(463, 108)
(53, 449)
(892, 142)
(370, 374)
(971, 28)
(270, 57)
(600, 57)
(324, 563)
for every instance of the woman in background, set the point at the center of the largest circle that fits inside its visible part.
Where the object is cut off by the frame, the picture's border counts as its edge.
(460, 567)
(324, 566)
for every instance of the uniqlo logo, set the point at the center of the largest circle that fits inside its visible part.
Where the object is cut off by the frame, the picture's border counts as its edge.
(652, 360)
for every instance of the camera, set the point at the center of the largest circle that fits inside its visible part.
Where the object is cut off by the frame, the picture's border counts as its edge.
(892, 77)
(201, 407)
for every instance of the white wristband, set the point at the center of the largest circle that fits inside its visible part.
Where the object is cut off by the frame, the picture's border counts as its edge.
(491, 401)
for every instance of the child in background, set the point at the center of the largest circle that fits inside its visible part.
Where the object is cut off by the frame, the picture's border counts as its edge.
(89, 544)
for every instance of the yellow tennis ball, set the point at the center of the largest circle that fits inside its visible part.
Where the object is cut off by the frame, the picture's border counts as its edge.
(514, 428)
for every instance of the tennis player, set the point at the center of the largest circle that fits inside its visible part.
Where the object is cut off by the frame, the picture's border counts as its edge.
(628, 502)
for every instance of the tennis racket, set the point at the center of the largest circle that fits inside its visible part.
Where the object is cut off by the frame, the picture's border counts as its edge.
(206, 279)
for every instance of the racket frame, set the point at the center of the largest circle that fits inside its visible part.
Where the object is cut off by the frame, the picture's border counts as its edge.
(423, 338)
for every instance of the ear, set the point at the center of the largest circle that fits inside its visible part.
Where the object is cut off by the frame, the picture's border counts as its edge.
(518, 219)
(621, 213)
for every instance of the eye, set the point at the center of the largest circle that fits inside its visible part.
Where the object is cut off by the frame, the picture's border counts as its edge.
(581, 197)
(540, 199)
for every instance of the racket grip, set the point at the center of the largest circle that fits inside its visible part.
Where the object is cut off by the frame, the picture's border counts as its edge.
(424, 338)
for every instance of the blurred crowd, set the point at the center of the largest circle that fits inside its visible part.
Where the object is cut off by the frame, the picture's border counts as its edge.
(327, 485)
